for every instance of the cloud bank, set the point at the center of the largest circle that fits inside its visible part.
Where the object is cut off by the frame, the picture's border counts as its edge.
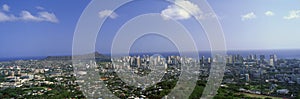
(27, 16)
(182, 10)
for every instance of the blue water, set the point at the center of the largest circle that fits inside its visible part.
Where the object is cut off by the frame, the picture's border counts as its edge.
(22, 58)
(281, 54)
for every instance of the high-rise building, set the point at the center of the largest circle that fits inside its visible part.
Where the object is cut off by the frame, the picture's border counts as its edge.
(202, 60)
(247, 77)
(229, 59)
(274, 57)
(132, 60)
(166, 66)
(252, 57)
(239, 58)
(158, 58)
(138, 61)
(169, 60)
(271, 62)
(262, 58)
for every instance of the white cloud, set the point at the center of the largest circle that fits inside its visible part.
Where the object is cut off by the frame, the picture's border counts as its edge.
(175, 13)
(269, 13)
(182, 10)
(27, 16)
(294, 14)
(39, 8)
(5, 7)
(4, 17)
(50, 17)
(42, 16)
(107, 13)
(248, 16)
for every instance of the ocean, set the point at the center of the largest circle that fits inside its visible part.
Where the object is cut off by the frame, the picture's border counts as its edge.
(22, 58)
(281, 54)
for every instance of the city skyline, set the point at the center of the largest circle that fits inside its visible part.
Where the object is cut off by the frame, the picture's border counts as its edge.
(187, 49)
(46, 29)
(244, 77)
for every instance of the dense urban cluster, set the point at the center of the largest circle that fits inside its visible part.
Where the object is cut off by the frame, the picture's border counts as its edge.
(38, 79)
(263, 75)
(252, 76)
(166, 74)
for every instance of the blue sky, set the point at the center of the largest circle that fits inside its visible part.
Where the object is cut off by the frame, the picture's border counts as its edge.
(46, 27)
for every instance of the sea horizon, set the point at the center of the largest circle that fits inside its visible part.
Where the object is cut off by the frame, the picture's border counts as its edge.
(280, 53)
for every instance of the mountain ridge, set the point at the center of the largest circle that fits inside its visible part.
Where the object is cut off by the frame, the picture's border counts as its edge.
(98, 57)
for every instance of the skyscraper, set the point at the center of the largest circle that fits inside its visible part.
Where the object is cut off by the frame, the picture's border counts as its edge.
(169, 60)
(273, 60)
(274, 57)
(138, 61)
(262, 58)
(229, 59)
(247, 77)
(202, 60)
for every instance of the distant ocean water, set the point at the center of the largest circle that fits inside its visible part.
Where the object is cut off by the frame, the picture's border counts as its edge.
(281, 54)
(22, 58)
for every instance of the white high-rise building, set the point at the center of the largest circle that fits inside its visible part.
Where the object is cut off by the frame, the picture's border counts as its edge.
(208, 60)
(273, 59)
(166, 66)
(271, 63)
(138, 61)
(247, 77)
(158, 58)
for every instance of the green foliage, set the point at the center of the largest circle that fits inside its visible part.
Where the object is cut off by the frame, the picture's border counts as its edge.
(197, 92)
(57, 92)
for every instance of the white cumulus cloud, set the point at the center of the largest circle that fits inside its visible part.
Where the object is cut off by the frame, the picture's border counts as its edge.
(108, 13)
(269, 13)
(24, 15)
(41, 16)
(248, 16)
(182, 9)
(4, 17)
(294, 14)
(27, 16)
(5, 7)
(50, 17)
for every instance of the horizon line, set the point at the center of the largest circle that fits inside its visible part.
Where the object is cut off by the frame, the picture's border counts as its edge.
(105, 53)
